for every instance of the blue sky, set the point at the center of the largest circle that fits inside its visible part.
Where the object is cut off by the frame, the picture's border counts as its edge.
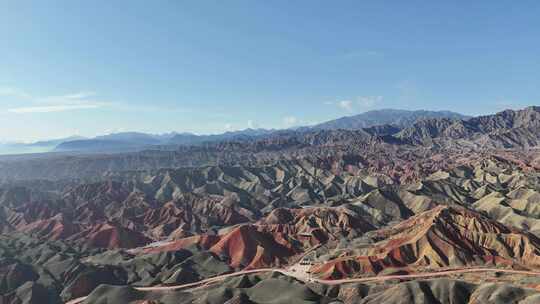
(94, 67)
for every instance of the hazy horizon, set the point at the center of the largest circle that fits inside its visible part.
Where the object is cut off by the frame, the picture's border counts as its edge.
(169, 132)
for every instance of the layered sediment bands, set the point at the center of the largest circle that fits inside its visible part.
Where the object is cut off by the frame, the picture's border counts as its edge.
(278, 238)
(246, 246)
(441, 237)
(173, 204)
(316, 226)
(111, 236)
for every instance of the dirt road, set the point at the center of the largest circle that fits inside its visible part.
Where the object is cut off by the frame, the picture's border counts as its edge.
(304, 278)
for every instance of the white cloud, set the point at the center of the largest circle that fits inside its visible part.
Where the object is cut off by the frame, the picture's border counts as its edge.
(19, 93)
(228, 127)
(252, 124)
(13, 92)
(369, 101)
(80, 95)
(54, 108)
(361, 101)
(50, 104)
(290, 121)
(346, 104)
(112, 131)
(68, 98)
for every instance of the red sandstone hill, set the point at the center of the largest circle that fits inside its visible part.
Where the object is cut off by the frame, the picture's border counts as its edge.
(318, 225)
(249, 246)
(276, 239)
(440, 237)
(111, 236)
(246, 246)
(106, 191)
(190, 214)
(31, 211)
(54, 228)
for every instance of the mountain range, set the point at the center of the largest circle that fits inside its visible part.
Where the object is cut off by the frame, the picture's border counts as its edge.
(398, 118)
(136, 141)
(507, 129)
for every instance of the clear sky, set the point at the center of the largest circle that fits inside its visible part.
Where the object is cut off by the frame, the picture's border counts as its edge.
(93, 67)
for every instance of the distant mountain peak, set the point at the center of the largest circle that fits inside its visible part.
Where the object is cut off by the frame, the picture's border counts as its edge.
(397, 117)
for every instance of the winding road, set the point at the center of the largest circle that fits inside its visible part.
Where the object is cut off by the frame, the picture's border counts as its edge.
(304, 277)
